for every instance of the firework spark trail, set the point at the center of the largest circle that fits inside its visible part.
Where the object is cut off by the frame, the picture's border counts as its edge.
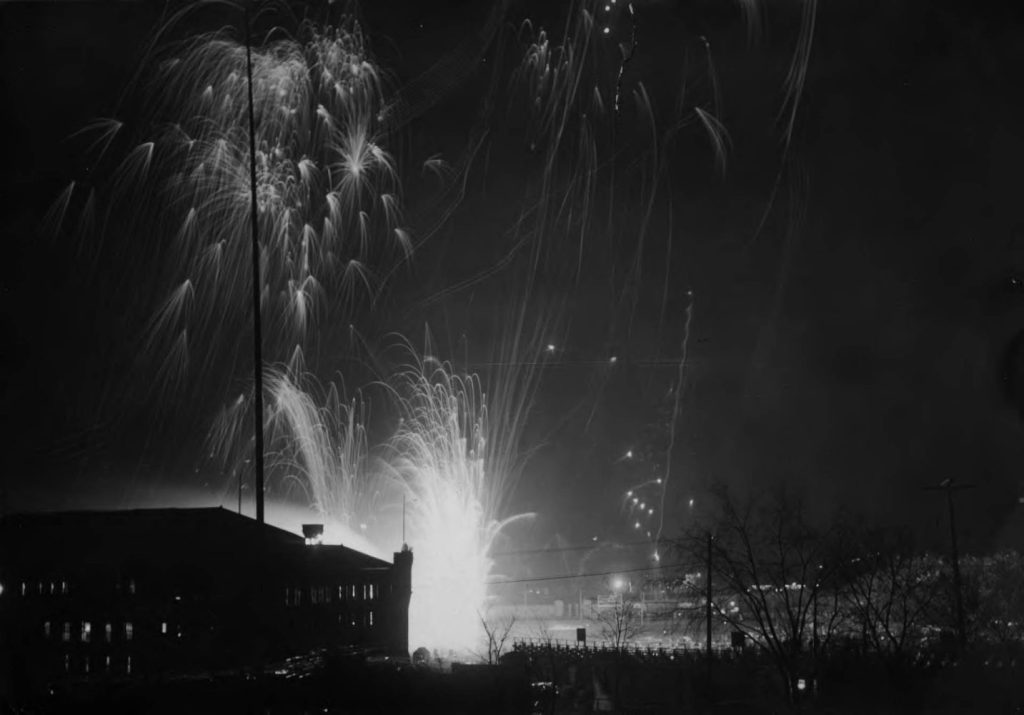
(672, 427)
(627, 57)
(316, 443)
(440, 454)
(328, 196)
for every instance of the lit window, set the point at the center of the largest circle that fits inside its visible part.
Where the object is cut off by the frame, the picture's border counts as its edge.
(67, 632)
(106, 663)
(364, 591)
(67, 663)
(24, 587)
(128, 631)
(128, 666)
(64, 587)
(372, 592)
(371, 618)
(53, 588)
(341, 592)
(163, 627)
(287, 596)
(46, 629)
(40, 588)
(86, 633)
(85, 664)
(353, 592)
(108, 632)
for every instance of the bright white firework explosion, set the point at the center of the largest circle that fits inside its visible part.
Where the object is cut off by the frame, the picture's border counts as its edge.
(439, 452)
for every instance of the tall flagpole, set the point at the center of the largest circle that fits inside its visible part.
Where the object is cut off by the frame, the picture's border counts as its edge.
(257, 333)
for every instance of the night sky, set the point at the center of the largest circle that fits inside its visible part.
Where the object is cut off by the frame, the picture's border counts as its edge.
(852, 292)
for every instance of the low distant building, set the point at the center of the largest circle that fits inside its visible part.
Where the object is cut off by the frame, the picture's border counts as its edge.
(157, 592)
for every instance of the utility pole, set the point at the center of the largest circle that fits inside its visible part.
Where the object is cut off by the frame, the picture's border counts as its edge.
(257, 333)
(948, 486)
(707, 605)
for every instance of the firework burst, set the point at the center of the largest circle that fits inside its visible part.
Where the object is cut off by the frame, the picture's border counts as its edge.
(442, 456)
(327, 194)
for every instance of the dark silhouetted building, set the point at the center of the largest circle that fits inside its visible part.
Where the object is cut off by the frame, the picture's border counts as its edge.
(158, 592)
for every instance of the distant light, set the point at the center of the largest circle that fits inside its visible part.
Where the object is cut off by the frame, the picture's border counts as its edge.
(594, 539)
(607, 8)
(650, 511)
(656, 556)
(613, 359)
(1, 589)
(629, 454)
(658, 480)
(551, 347)
(636, 525)
(635, 500)
(643, 505)
(607, 30)
(691, 502)
(363, 527)
(801, 684)
(618, 583)
(629, 493)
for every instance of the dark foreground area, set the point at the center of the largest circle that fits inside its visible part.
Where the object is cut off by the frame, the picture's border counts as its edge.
(556, 679)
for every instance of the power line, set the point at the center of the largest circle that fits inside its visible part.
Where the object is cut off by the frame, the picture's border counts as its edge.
(587, 575)
(596, 545)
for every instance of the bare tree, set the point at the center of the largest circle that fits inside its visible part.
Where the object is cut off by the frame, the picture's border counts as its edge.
(769, 568)
(890, 593)
(497, 634)
(620, 623)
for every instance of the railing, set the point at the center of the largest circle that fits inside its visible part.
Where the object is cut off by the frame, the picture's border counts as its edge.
(530, 646)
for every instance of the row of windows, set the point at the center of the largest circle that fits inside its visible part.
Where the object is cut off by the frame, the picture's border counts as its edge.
(84, 630)
(325, 594)
(85, 664)
(367, 618)
(54, 588)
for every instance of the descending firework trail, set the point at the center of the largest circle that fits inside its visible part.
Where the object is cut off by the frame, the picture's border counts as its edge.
(317, 443)
(446, 454)
(326, 188)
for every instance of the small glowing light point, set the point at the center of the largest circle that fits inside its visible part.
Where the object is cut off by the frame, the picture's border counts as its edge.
(691, 502)
(650, 511)
(658, 480)
(635, 500)
(607, 30)
(551, 347)
(613, 359)
(636, 525)
(629, 493)
(657, 557)
(629, 454)
(643, 505)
